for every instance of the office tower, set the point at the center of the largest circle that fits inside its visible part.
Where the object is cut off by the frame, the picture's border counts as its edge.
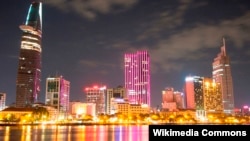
(222, 74)
(57, 94)
(189, 92)
(2, 101)
(194, 92)
(96, 94)
(29, 67)
(114, 96)
(137, 77)
(212, 96)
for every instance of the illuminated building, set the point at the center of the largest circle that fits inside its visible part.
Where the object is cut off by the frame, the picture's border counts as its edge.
(2, 101)
(203, 95)
(179, 99)
(29, 67)
(79, 109)
(137, 77)
(194, 92)
(189, 91)
(57, 94)
(96, 95)
(113, 96)
(212, 96)
(168, 95)
(172, 100)
(132, 109)
(168, 99)
(222, 74)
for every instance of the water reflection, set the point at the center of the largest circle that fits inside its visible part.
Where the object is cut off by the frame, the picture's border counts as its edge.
(74, 133)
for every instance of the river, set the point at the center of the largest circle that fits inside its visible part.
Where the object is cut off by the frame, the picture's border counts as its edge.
(74, 133)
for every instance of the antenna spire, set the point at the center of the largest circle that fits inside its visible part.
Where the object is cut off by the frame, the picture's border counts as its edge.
(223, 48)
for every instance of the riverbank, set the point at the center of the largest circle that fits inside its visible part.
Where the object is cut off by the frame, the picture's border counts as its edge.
(69, 124)
(92, 123)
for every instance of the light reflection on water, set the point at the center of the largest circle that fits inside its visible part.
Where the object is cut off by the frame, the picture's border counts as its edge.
(74, 133)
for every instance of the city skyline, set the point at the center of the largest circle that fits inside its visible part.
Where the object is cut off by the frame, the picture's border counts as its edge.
(182, 38)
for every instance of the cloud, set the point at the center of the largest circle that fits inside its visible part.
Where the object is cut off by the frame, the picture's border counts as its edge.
(96, 66)
(90, 8)
(188, 44)
(169, 19)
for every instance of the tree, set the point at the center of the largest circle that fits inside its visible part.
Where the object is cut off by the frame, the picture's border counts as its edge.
(40, 113)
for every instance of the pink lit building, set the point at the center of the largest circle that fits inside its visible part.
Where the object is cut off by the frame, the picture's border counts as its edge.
(57, 94)
(168, 95)
(96, 94)
(137, 77)
(190, 94)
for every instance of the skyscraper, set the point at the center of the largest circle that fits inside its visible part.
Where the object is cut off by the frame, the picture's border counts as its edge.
(137, 77)
(222, 74)
(194, 92)
(29, 67)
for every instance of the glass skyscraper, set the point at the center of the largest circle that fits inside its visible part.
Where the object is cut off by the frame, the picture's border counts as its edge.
(222, 74)
(137, 77)
(29, 67)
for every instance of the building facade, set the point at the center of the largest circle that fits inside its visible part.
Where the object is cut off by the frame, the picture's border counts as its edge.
(189, 92)
(57, 94)
(212, 96)
(113, 96)
(2, 101)
(29, 66)
(179, 99)
(96, 94)
(79, 109)
(137, 77)
(194, 92)
(222, 74)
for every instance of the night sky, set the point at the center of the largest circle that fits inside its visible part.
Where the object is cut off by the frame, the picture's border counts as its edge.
(85, 41)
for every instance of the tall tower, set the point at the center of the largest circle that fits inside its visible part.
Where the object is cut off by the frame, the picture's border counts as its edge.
(29, 67)
(137, 77)
(194, 92)
(222, 74)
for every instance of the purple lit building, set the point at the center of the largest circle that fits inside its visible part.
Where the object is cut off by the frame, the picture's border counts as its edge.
(57, 94)
(137, 77)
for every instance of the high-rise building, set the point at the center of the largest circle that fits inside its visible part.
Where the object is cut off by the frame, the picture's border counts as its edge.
(222, 74)
(96, 94)
(212, 96)
(29, 67)
(194, 92)
(57, 94)
(2, 101)
(189, 92)
(137, 77)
